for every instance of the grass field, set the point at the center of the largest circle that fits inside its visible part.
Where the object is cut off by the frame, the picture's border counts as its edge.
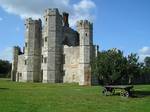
(36, 97)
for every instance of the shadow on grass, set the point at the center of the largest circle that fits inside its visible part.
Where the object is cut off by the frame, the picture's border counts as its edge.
(4, 88)
(140, 94)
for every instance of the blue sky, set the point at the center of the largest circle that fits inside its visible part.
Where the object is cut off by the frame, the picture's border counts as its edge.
(123, 24)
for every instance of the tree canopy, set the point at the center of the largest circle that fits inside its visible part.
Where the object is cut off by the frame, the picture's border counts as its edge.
(112, 67)
(5, 68)
(147, 61)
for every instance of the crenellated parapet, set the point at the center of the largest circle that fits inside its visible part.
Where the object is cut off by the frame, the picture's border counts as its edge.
(16, 51)
(49, 12)
(30, 21)
(84, 24)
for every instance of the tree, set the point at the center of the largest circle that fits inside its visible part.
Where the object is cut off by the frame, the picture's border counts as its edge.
(112, 67)
(147, 61)
(145, 77)
(5, 68)
(133, 67)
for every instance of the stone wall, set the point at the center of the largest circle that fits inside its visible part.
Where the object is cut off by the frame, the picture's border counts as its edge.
(21, 69)
(16, 52)
(32, 54)
(71, 64)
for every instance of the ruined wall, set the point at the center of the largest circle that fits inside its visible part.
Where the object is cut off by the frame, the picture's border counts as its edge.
(20, 77)
(71, 55)
(71, 64)
(70, 37)
(16, 52)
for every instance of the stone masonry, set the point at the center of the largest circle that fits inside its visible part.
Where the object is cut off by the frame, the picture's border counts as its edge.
(54, 52)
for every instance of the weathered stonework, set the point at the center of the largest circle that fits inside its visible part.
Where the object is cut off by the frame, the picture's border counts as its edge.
(52, 48)
(85, 30)
(55, 53)
(71, 64)
(16, 53)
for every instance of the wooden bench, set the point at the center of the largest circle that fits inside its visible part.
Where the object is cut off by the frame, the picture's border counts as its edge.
(125, 90)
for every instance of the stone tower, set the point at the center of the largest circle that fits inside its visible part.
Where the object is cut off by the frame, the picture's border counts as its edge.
(16, 52)
(32, 53)
(52, 47)
(85, 30)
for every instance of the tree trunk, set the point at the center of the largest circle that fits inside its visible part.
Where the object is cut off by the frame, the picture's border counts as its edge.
(130, 80)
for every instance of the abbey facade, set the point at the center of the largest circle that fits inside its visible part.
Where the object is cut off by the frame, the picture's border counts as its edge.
(54, 52)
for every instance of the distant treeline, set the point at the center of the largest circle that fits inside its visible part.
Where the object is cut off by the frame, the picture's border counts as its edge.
(5, 69)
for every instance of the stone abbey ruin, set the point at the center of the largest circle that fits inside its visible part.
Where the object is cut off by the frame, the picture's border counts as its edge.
(54, 52)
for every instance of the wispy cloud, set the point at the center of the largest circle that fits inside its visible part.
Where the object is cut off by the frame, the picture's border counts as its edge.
(6, 54)
(1, 19)
(144, 52)
(84, 9)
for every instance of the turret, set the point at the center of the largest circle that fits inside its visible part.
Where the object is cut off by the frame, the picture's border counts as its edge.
(32, 50)
(85, 30)
(52, 47)
(16, 52)
(32, 36)
(84, 24)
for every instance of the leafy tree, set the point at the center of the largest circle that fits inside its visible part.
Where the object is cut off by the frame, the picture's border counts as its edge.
(145, 71)
(112, 67)
(5, 68)
(133, 67)
(147, 61)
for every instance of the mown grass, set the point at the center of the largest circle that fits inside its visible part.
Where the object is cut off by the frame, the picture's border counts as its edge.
(37, 97)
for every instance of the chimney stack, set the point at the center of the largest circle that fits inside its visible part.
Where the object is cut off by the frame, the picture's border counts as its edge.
(65, 19)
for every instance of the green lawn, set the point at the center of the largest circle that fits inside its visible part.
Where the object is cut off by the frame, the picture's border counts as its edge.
(36, 97)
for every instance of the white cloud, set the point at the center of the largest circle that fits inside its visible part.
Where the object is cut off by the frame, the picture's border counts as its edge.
(1, 19)
(35, 8)
(6, 54)
(144, 52)
(84, 5)
(83, 10)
